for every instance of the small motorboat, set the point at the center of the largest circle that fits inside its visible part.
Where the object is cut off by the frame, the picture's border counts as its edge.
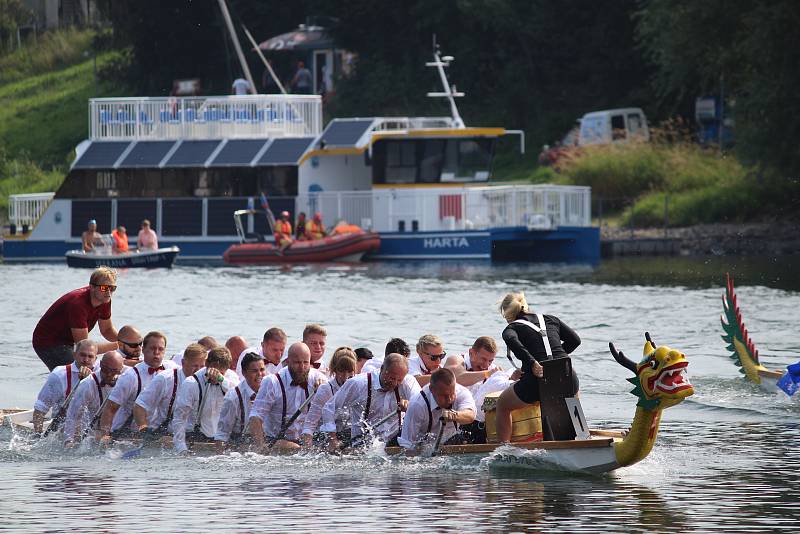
(254, 250)
(105, 255)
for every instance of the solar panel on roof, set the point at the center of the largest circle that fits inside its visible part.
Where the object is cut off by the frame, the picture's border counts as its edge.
(285, 151)
(238, 152)
(101, 155)
(147, 154)
(345, 133)
(192, 153)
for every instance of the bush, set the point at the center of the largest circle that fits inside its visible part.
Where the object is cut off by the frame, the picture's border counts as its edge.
(20, 175)
(51, 51)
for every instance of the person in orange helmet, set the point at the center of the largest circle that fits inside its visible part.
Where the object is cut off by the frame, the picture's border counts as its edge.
(283, 232)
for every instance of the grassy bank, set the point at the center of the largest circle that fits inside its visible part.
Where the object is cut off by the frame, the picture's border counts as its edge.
(44, 90)
(637, 182)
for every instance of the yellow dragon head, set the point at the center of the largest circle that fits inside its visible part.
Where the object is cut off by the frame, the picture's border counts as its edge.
(661, 380)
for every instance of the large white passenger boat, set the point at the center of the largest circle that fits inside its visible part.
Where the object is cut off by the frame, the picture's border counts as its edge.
(187, 164)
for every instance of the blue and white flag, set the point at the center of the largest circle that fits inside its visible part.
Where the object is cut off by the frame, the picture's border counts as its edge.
(790, 381)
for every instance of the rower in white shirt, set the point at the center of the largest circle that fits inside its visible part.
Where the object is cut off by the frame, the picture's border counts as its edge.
(472, 369)
(371, 398)
(343, 367)
(442, 402)
(62, 382)
(237, 346)
(430, 356)
(155, 405)
(396, 345)
(232, 427)
(117, 416)
(271, 350)
(84, 408)
(280, 397)
(315, 336)
(200, 399)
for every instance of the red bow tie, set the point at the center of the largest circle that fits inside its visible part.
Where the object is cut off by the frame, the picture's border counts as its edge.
(252, 397)
(316, 365)
(154, 370)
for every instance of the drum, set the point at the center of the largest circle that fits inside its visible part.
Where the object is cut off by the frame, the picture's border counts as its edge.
(526, 423)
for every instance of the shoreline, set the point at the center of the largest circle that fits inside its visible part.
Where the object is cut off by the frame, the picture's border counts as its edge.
(717, 239)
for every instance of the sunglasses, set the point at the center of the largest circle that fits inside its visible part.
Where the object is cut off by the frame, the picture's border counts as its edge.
(105, 288)
(134, 345)
(436, 357)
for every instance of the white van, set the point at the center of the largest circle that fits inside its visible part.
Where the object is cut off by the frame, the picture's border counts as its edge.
(613, 126)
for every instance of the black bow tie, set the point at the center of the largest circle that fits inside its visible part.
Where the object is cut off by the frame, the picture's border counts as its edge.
(252, 397)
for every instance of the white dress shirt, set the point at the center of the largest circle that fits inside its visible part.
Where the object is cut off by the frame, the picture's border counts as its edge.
(188, 405)
(54, 391)
(416, 366)
(353, 396)
(269, 403)
(232, 419)
(373, 364)
(314, 415)
(499, 381)
(129, 385)
(476, 386)
(85, 405)
(160, 395)
(421, 415)
(270, 367)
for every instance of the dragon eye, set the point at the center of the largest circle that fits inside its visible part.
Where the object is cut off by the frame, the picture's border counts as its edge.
(653, 364)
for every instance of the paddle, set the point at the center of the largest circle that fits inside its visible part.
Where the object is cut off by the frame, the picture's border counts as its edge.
(438, 444)
(282, 434)
(62, 411)
(359, 440)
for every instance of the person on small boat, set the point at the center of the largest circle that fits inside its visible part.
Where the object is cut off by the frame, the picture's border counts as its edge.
(62, 382)
(363, 355)
(314, 228)
(120, 237)
(343, 367)
(129, 345)
(91, 238)
(72, 317)
(280, 397)
(84, 408)
(283, 232)
(532, 338)
(237, 346)
(300, 226)
(199, 401)
(155, 406)
(273, 344)
(232, 427)
(117, 417)
(394, 345)
(147, 238)
(371, 398)
(442, 402)
(430, 356)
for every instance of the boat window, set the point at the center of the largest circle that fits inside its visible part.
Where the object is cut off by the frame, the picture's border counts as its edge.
(430, 165)
(401, 162)
(467, 160)
(618, 130)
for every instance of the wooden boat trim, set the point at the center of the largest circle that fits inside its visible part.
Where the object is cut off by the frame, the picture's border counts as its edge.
(769, 373)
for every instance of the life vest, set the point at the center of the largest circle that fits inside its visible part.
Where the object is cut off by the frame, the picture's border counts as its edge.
(120, 241)
(314, 230)
(347, 229)
(283, 230)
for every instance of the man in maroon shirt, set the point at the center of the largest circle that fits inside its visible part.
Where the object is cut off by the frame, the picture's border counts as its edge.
(71, 317)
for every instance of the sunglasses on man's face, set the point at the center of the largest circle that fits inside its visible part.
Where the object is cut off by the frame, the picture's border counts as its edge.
(134, 345)
(105, 288)
(436, 357)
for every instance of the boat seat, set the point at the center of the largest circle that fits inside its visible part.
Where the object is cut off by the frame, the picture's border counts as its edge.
(553, 389)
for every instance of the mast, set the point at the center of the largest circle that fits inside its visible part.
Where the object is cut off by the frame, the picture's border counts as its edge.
(449, 92)
(245, 69)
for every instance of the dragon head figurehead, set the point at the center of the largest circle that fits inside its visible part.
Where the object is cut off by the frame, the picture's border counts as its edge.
(661, 380)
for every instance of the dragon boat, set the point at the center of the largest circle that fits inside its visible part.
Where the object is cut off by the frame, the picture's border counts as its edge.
(660, 381)
(744, 352)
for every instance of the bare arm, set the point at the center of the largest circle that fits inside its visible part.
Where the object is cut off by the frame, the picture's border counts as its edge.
(140, 416)
(108, 331)
(464, 377)
(257, 431)
(38, 421)
(107, 418)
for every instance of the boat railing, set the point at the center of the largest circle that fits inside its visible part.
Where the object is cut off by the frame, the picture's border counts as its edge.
(384, 124)
(25, 210)
(535, 207)
(212, 117)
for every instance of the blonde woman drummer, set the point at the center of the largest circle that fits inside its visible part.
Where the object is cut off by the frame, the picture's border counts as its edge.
(532, 337)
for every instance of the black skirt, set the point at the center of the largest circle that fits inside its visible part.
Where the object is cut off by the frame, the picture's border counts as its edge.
(527, 388)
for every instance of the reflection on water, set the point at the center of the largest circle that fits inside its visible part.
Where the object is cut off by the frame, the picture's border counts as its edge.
(725, 459)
